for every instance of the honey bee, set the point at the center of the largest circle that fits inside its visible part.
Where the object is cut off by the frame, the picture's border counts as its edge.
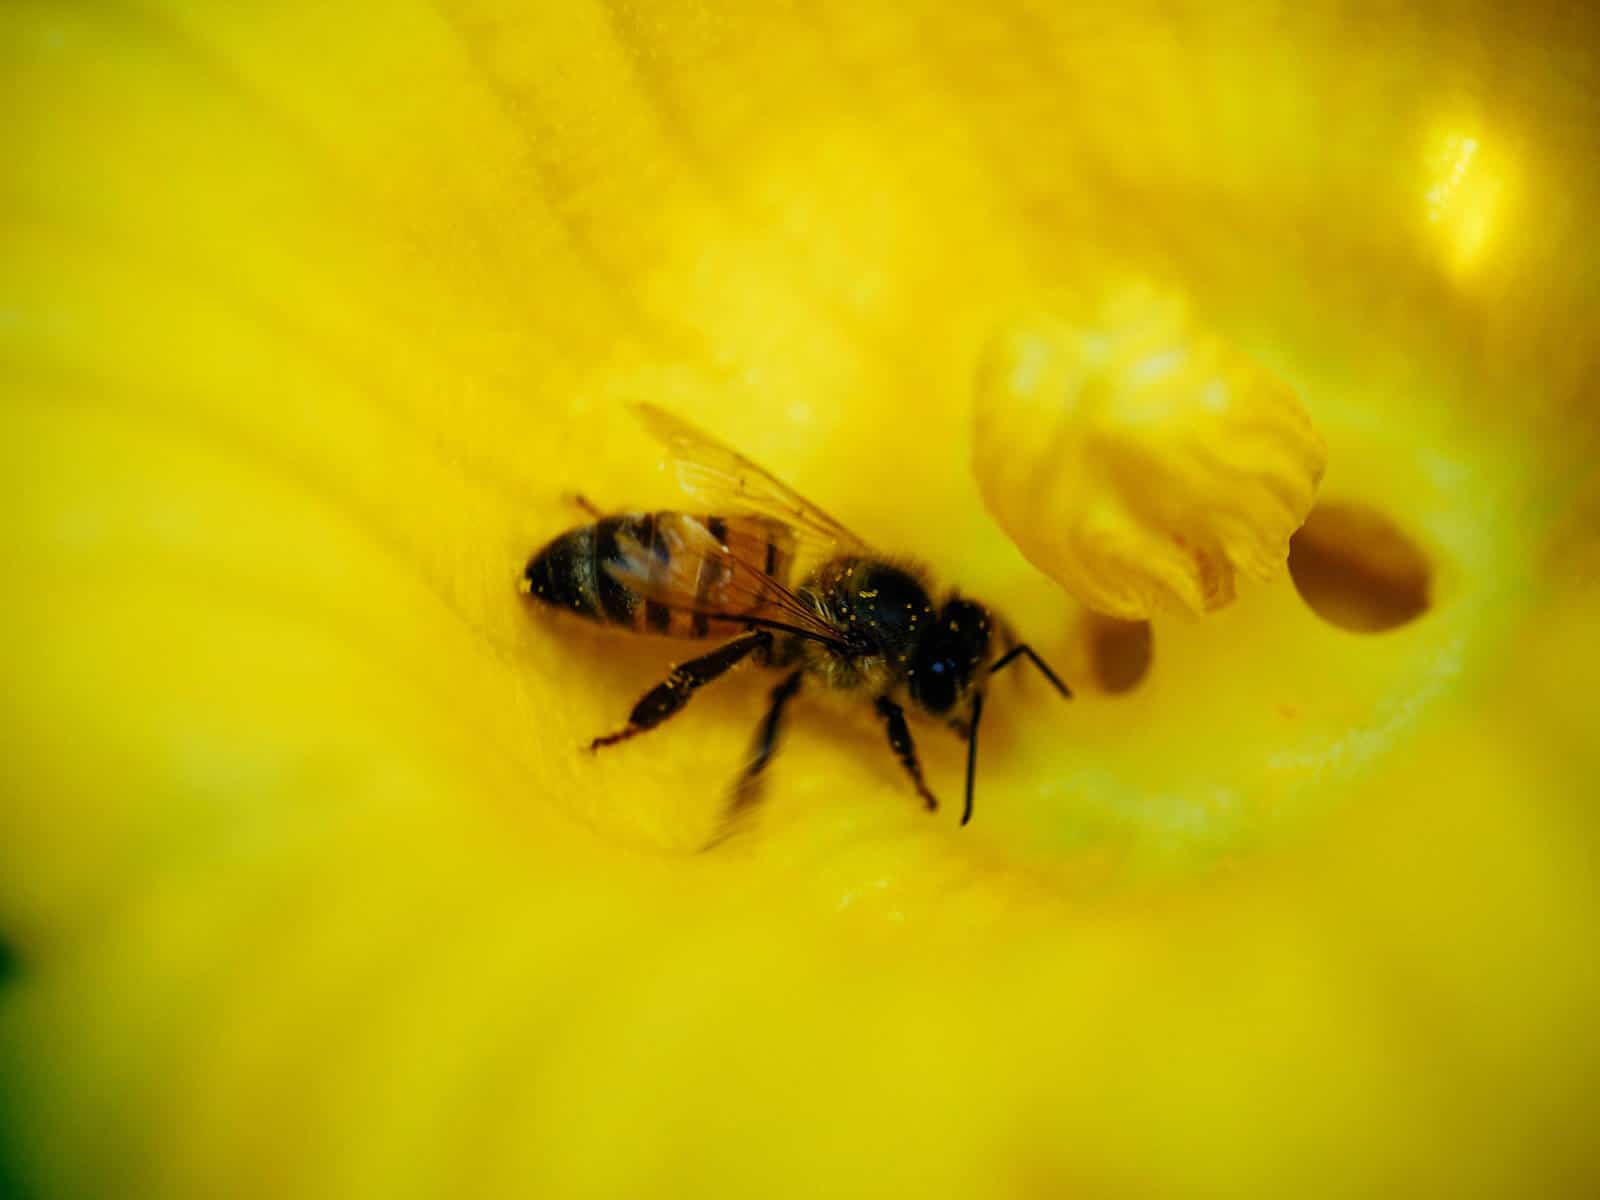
(858, 622)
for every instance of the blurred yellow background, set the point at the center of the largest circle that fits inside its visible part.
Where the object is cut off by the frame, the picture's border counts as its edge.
(312, 318)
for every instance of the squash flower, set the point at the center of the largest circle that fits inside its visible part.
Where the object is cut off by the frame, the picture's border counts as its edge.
(1242, 356)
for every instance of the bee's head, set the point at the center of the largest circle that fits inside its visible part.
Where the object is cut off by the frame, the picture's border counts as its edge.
(949, 659)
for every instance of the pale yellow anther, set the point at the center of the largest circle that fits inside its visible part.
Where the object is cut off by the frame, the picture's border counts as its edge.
(1140, 460)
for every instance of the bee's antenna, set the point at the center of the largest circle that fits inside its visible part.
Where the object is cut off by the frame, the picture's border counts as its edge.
(972, 754)
(1005, 660)
(1010, 656)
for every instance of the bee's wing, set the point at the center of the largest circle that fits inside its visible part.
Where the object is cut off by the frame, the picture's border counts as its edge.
(687, 569)
(729, 482)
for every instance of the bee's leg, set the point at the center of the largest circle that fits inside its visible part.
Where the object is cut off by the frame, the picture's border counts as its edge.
(900, 742)
(1010, 656)
(661, 701)
(586, 504)
(745, 791)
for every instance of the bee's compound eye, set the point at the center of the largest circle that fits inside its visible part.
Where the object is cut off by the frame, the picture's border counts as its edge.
(933, 685)
(949, 655)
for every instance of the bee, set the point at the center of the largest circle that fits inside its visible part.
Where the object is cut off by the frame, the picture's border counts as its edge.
(856, 622)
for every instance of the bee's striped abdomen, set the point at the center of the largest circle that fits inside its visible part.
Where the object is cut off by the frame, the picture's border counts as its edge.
(562, 574)
(571, 572)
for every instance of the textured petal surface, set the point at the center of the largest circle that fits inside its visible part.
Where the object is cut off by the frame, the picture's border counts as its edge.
(310, 318)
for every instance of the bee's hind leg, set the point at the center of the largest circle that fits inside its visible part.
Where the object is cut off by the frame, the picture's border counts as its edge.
(588, 506)
(665, 699)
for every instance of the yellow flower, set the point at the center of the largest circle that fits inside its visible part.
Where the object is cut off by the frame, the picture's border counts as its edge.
(311, 317)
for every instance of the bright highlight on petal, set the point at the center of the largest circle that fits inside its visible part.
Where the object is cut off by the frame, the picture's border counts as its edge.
(1463, 200)
(1138, 459)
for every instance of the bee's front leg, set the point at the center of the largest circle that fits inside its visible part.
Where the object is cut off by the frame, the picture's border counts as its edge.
(905, 749)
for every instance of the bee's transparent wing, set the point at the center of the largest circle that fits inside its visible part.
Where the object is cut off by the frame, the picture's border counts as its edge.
(688, 569)
(728, 482)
